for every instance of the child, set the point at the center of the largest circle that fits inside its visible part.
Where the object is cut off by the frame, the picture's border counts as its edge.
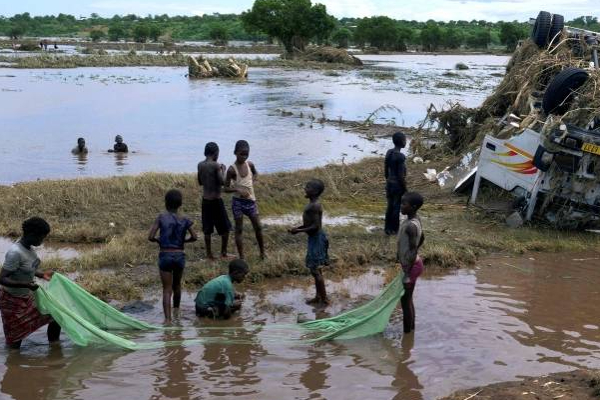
(171, 259)
(410, 239)
(318, 245)
(243, 174)
(211, 176)
(217, 299)
(20, 316)
(80, 148)
(395, 186)
(119, 146)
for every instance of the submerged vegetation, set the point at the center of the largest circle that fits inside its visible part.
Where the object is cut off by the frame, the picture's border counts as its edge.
(115, 213)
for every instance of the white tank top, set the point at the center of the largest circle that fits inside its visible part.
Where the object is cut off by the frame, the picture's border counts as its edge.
(245, 182)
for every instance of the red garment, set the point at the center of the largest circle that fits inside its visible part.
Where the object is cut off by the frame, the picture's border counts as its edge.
(20, 316)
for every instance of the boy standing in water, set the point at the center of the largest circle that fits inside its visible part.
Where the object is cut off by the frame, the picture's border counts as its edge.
(80, 148)
(410, 239)
(171, 259)
(211, 176)
(318, 244)
(20, 315)
(395, 186)
(243, 174)
(119, 146)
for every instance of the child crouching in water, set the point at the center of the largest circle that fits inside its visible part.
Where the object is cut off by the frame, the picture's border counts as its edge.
(318, 244)
(410, 239)
(217, 299)
(172, 229)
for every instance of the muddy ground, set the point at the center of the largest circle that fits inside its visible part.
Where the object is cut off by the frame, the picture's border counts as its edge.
(575, 385)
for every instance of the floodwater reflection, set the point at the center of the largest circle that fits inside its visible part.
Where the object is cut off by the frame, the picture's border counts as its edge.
(505, 318)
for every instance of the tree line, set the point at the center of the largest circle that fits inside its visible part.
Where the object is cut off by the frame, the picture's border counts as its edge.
(294, 23)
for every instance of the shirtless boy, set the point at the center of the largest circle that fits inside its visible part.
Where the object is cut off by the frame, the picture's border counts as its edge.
(211, 176)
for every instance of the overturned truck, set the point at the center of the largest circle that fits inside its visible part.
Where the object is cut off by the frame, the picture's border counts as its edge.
(546, 149)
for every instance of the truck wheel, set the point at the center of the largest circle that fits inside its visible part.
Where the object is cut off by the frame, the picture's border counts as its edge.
(561, 89)
(558, 23)
(541, 28)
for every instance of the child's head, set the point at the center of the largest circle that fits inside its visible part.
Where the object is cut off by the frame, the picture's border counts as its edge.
(314, 188)
(173, 199)
(119, 139)
(238, 270)
(241, 151)
(211, 150)
(35, 230)
(81, 142)
(399, 139)
(410, 203)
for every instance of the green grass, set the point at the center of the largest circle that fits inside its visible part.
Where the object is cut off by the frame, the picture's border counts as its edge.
(118, 211)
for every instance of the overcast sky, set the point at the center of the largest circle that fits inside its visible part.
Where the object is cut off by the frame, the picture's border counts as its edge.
(490, 10)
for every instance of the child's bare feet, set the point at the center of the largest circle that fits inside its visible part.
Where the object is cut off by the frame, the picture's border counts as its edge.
(317, 301)
(228, 257)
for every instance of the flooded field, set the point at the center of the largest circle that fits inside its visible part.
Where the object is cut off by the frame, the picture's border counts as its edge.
(504, 319)
(166, 118)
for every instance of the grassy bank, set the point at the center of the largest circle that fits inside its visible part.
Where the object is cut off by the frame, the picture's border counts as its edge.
(116, 213)
(148, 60)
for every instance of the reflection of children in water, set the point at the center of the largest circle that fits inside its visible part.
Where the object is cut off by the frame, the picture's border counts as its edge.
(174, 370)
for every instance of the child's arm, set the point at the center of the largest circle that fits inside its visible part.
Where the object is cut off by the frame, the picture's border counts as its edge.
(193, 237)
(153, 230)
(386, 165)
(402, 172)
(11, 264)
(413, 245)
(313, 217)
(228, 178)
(199, 174)
(254, 171)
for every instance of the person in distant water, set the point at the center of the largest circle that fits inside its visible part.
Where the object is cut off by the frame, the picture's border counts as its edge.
(80, 148)
(20, 316)
(240, 180)
(55, 46)
(410, 239)
(119, 146)
(211, 176)
(217, 299)
(41, 45)
(45, 44)
(395, 186)
(318, 244)
(172, 229)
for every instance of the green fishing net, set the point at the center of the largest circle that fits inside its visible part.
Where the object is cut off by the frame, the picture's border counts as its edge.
(86, 319)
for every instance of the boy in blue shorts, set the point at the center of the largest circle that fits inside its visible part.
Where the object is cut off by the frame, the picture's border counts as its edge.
(172, 229)
(318, 244)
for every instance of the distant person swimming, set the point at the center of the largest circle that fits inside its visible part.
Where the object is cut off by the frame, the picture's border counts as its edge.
(80, 148)
(119, 146)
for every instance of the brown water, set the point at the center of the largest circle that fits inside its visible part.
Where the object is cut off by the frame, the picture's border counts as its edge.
(508, 317)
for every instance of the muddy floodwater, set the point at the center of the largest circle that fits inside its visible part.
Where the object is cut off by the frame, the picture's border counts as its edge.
(503, 319)
(166, 119)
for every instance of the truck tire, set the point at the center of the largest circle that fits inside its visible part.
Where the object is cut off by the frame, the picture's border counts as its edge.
(558, 23)
(541, 29)
(560, 90)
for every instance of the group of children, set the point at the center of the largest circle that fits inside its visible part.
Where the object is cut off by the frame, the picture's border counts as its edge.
(217, 298)
(118, 147)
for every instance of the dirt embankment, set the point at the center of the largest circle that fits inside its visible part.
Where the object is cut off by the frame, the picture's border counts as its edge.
(576, 385)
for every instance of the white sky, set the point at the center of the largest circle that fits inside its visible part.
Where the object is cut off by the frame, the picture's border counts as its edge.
(490, 10)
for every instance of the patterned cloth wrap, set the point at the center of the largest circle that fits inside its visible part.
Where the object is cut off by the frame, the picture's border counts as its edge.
(317, 251)
(20, 316)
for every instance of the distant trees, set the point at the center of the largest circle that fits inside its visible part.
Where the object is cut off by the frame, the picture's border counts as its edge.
(342, 37)
(17, 30)
(511, 33)
(96, 35)
(141, 33)
(116, 32)
(293, 22)
(380, 32)
(479, 38)
(431, 37)
(219, 34)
